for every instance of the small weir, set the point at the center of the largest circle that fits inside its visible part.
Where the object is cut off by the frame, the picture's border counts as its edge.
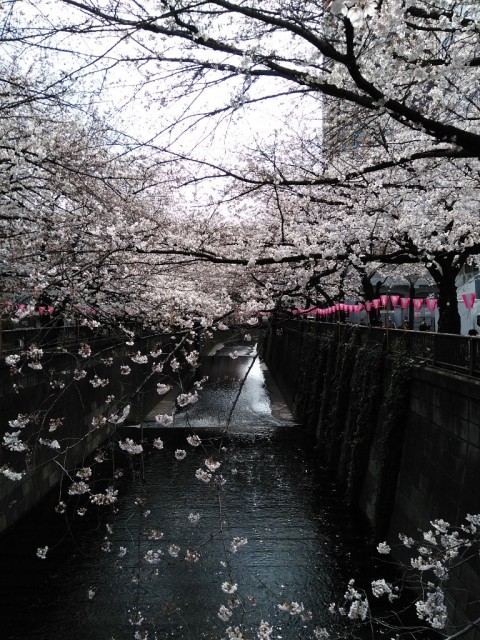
(183, 558)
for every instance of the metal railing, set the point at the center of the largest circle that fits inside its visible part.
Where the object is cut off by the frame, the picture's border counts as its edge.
(460, 353)
(444, 350)
(55, 336)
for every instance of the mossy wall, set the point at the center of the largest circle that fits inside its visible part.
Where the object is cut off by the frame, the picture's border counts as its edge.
(401, 437)
(359, 396)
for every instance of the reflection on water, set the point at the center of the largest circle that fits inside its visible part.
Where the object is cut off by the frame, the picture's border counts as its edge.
(111, 573)
(228, 387)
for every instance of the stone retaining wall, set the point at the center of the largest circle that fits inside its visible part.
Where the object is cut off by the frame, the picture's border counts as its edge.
(420, 450)
(77, 403)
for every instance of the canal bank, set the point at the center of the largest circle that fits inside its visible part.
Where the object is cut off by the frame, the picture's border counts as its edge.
(400, 435)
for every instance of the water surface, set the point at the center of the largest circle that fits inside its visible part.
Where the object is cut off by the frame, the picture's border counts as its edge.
(105, 572)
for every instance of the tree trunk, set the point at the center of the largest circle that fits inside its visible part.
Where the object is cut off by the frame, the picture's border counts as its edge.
(411, 310)
(371, 293)
(449, 316)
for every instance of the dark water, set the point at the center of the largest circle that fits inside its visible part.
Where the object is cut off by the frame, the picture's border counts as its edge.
(300, 541)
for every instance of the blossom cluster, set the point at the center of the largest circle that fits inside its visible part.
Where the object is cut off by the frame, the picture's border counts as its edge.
(96, 382)
(34, 354)
(238, 542)
(105, 499)
(12, 360)
(194, 441)
(52, 444)
(185, 399)
(130, 446)
(9, 473)
(12, 442)
(356, 605)
(357, 11)
(119, 417)
(293, 608)
(162, 389)
(433, 609)
(139, 358)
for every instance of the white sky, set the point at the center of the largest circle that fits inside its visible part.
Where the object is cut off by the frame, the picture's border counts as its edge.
(142, 113)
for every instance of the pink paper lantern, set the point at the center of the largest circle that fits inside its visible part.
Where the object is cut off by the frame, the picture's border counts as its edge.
(360, 307)
(376, 303)
(394, 300)
(384, 300)
(404, 302)
(342, 306)
(431, 304)
(468, 300)
(368, 306)
(417, 303)
(337, 306)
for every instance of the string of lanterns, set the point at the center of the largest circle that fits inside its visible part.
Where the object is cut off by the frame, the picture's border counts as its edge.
(12, 307)
(382, 302)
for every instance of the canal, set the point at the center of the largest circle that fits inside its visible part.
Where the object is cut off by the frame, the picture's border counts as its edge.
(224, 516)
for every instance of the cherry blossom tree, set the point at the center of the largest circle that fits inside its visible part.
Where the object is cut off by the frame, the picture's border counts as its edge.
(422, 585)
(375, 55)
(347, 61)
(158, 221)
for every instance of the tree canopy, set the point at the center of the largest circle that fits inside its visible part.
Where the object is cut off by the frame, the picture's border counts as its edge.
(178, 163)
(365, 150)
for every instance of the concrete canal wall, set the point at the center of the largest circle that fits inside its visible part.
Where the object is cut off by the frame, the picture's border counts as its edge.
(403, 438)
(78, 402)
